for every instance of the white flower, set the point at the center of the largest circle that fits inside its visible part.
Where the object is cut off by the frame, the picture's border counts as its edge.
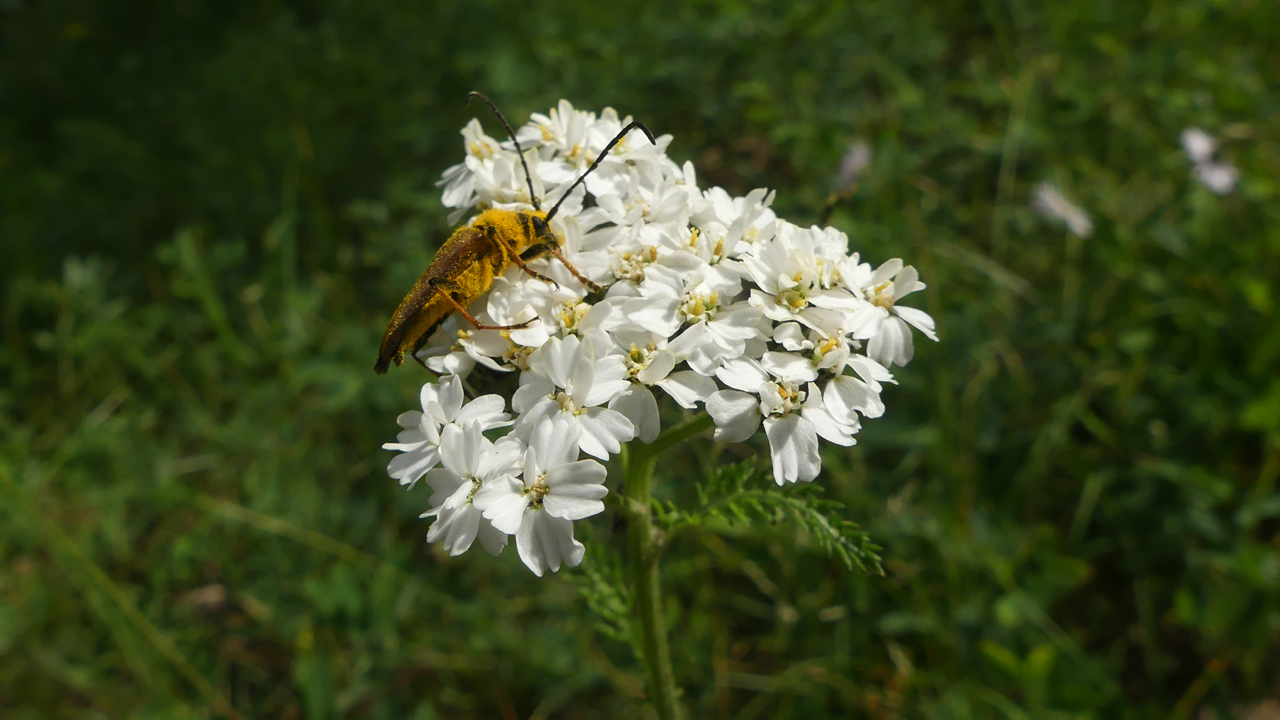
(562, 311)
(845, 396)
(650, 366)
(1050, 201)
(795, 281)
(1220, 178)
(790, 406)
(556, 489)
(566, 380)
(746, 220)
(459, 181)
(890, 340)
(457, 347)
(419, 441)
(855, 160)
(1200, 146)
(471, 462)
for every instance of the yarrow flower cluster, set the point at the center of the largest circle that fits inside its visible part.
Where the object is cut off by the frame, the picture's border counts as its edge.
(709, 299)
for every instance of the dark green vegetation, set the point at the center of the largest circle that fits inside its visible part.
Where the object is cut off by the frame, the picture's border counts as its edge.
(208, 215)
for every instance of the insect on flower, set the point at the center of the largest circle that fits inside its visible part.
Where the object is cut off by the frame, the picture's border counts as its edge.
(465, 266)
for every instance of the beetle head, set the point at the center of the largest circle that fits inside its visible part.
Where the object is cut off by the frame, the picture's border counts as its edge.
(542, 232)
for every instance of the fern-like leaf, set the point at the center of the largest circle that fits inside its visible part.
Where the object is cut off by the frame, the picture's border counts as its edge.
(733, 495)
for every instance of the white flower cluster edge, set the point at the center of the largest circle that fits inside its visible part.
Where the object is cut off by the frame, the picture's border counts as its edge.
(711, 299)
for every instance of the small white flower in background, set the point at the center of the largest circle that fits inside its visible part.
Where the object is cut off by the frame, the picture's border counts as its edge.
(1050, 202)
(1221, 177)
(710, 298)
(855, 160)
(1200, 146)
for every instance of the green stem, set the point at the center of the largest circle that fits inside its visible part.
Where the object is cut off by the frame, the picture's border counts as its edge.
(644, 548)
(690, 428)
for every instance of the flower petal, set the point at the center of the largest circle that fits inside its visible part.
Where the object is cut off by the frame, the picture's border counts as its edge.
(736, 415)
(604, 431)
(907, 282)
(824, 423)
(886, 271)
(409, 467)
(608, 381)
(575, 490)
(659, 367)
(544, 543)
(486, 410)
(788, 367)
(640, 407)
(919, 318)
(503, 502)
(491, 538)
(845, 396)
(449, 399)
(530, 393)
(556, 440)
(462, 447)
(892, 345)
(688, 387)
(556, 359)
(409, 420)
(793, 446)
(742, 374)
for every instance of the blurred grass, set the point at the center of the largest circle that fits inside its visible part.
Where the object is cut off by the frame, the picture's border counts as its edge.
(207, 212)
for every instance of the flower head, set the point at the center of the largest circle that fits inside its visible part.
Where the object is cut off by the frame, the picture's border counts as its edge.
(709, 298)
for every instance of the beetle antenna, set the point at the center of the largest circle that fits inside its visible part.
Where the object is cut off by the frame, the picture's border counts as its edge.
(616, 139)
(511, 134)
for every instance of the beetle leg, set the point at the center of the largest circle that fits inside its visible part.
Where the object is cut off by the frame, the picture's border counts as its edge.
(540, 248)
(476, 323)
(515, 258)
(534, 251)
(581, 278)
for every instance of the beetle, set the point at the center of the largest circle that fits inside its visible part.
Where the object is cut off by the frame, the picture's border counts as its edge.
(464, 267)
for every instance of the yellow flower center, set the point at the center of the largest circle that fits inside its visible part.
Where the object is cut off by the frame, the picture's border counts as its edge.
(699, 306)
(518, 356)
(567, 404)
(637, 358)
(538, 491)
(630, 266)
(571, 314)
(792, 398)
(797, 300)
(880, 298)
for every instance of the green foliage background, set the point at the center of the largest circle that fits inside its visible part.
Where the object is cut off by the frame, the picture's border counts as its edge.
(208, 210)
